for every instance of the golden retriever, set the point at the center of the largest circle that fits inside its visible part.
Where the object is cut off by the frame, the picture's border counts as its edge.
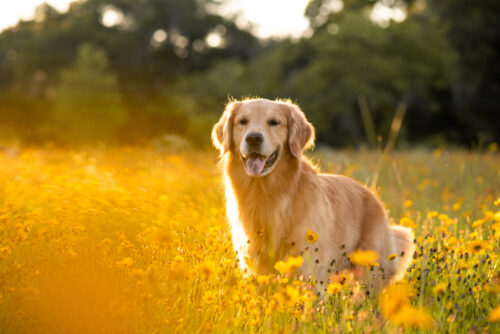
(274, 197)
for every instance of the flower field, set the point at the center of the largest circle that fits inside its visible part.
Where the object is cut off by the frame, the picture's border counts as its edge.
(130, 240)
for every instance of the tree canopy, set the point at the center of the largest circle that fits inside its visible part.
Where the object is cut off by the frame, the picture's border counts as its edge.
(141, 69)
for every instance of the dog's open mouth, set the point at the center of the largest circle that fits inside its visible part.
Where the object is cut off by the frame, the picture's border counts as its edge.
(256, 163)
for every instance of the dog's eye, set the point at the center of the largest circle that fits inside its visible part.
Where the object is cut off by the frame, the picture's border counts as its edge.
(273, 122)
(243, 121)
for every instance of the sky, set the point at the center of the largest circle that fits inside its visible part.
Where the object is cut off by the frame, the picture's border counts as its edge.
(12, 11)
(268, 17)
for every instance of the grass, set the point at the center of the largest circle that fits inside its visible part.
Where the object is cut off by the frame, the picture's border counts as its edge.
(129, 240)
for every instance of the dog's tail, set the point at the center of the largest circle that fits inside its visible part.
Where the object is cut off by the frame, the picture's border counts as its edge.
(404, 246)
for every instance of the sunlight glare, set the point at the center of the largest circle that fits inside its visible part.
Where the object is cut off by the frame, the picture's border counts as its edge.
(13, 11)
(382, 14)
(278, 18)
(266, 18)
(214, 40)
(237, 233)
(111, 16)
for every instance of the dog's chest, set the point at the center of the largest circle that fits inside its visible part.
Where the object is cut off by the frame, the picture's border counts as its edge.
(266, 221)
(265, 212)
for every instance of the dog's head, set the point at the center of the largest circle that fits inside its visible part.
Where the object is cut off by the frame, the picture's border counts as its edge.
(259, 132)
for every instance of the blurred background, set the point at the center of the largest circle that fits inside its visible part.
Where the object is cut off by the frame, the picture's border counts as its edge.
(145, 71)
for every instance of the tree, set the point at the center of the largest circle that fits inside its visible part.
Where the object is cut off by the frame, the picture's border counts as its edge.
(88, 105)
(475, 34)
(350, 56)
(177, 61)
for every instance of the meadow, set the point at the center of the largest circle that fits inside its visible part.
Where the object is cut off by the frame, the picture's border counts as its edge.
(133, 240)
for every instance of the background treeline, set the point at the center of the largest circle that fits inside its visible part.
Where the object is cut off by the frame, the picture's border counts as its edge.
(131, 71)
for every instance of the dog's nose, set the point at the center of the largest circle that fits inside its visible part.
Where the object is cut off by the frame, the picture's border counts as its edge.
(254, 139)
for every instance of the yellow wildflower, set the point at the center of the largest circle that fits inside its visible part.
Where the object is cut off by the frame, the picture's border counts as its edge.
(414, 317)
(408, 203)
(494, 287)
(290, 265)
(477, 223)
(440, 288)
(489, 215)
(364, 257)
(450, 242)
(391, 257)
(496, 228)
(430, 239)
(443, 230)
(271, 307)
(393, 298)
(209, 297)
(207, 268)
(464, 265)
(443, 216)
(432, 214)
(293, 294)
(298, 282)
(180, 270)
(496, 216)
(284, 280)
(456, 206)
(311, 237)
(178, 259)
(494, 314)
(342, 277)
(334, 288)
(263, 279)
(396, 306)
(295, 262)
(407, 222)
(478, 245)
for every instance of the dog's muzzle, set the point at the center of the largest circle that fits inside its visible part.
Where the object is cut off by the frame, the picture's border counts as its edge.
(256, 163)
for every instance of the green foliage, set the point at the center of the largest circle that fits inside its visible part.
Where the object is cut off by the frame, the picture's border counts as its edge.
(442, 65)
(404, 62)
(88, 105)
(475, 33)
(327, 73)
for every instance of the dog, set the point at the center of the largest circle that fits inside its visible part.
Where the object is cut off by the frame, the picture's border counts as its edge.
(274, 196)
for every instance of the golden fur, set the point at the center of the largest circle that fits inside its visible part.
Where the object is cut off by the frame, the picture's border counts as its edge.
(271, 213)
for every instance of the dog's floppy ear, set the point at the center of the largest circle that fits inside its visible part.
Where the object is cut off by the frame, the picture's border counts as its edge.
(300, 131)
(223, 129)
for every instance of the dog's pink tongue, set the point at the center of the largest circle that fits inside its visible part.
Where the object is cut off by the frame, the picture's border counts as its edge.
(255, 165)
